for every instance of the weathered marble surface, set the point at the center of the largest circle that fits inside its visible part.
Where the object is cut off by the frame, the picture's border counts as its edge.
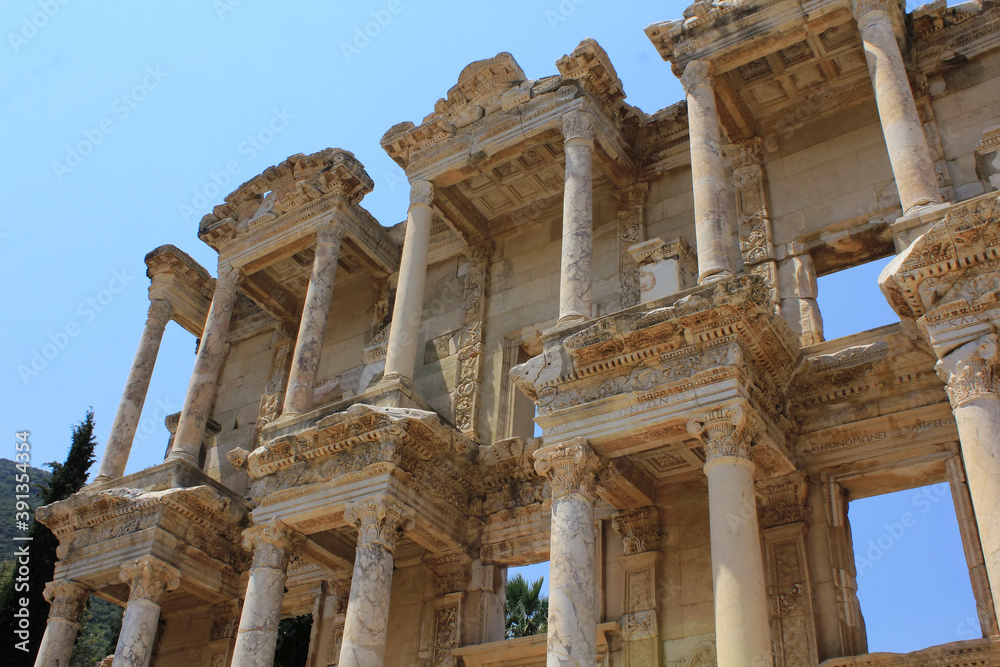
(66, 604)
(312, 325)
(211, 355)
(401, 354)
(973, 376)
(712, 197)
(134, 397)
(909, 154)
(575, 290)
(148, 578)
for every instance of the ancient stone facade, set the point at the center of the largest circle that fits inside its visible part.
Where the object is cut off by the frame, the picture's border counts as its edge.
(357, 441)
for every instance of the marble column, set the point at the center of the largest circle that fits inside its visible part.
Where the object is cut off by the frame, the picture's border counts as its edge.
(973, 376)
(909, 154)
(148, 579)
(572, 468)
(575, 289)
(67, 600)
(272, 544)
(401, 350)
(312, 325)
(211, 355)
(712, 197)
(134, 397)
(380, 523)
(742, 634)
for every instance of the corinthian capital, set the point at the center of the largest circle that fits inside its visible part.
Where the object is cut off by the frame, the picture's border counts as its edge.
(330, 233)
(640, 529)
(380, 521)
(578, 125)
(421, 192)
(723, 431)
(149, 578)
(229, 277)
(572, 467)
(697, 72)
(971, 371)
(863, 8)
(66, 599)
(272, 544)
(160, 311)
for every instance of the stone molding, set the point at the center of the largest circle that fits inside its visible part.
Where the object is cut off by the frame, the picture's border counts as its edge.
(971, 371)
(380, 521)
(578, 124)
(149, 578)
(640, 530)
(422, 193)
(723, 431)
(67, 599)
(571, 467)
(272, 544)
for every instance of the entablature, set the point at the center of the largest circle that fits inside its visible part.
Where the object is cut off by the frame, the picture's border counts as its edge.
(181, 281)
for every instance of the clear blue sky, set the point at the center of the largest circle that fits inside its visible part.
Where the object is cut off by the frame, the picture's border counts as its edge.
(119, 113)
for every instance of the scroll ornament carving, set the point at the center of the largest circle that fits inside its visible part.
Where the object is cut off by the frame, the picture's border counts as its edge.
(421, 192)
(149, 578)
(66, 599)
(572, 468)
(380, 521)
(640, 530)
(578, 125)
(446, 635)
(971, 371)
(639, 624)
(271, 543)
(696, 73)
(724, 432)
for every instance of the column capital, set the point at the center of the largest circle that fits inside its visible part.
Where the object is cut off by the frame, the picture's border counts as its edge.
(697, 72)
(149, 578)
(422, 193)
(66, 599)
(746, 153)
(971, 371)
(640, 529)
(724, 432)
(578, 124)
(380, 521)
(160, 311)
(229, 277)
(272, 544)
(451, 572)
(572, 467)
(863, 8)
(330, 233)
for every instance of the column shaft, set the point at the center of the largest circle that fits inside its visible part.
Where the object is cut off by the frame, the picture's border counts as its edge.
(909, 154)
(148, 578)
(379, 525)
(211, 355)
(572, 468)
(257, 637)
(312, 325)
(973, 375)
(401, 352)
(712, 197)
(742, 632)
(134, 397)
(575, 292)
(66, 603)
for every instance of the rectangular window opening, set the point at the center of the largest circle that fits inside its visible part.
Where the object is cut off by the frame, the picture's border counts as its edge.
(912, 574)
(527, 605)
(850, 301)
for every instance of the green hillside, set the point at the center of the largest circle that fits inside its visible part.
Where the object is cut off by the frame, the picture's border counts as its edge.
(8, 472)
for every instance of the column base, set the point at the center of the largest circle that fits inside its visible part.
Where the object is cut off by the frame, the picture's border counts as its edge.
(715, 277)
(916, 222)
(394, 391)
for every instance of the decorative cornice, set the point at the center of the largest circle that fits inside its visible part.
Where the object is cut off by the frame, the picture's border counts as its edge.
(149, 578)
(380, 521)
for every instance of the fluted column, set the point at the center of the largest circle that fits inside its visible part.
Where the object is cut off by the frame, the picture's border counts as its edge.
(380, 522)
(742, 634)
(134, 397)
(401, 352)
(973, 376)
(712, 205)
(67, 600)
(272, 544)
(211, 355)
(312, 325)
(572, 468)
(909, 154)
(148, 579)
(575, 291)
